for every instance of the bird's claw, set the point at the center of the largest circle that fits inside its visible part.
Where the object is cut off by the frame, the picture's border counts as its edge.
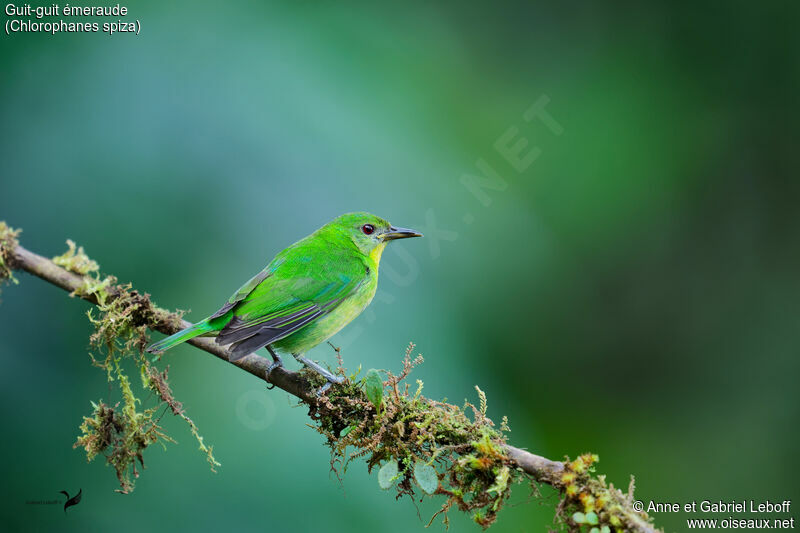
(331, 380)
(275, 364)
(321, 371)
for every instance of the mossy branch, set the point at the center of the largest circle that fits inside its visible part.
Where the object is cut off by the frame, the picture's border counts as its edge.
(406, 433)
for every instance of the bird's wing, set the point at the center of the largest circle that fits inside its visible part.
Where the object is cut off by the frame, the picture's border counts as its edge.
(284, 298)
(242, 293)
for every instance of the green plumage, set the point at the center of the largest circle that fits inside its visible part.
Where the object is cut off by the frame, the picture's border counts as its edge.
(307, 293)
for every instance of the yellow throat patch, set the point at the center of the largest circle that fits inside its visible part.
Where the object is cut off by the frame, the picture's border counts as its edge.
(376, 253)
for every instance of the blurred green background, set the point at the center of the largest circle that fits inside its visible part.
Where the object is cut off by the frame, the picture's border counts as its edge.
(633, 292)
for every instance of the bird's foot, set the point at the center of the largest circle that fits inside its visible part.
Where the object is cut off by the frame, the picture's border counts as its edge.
(322, 390)
(332, 378)
(336, 379)
(277, 362)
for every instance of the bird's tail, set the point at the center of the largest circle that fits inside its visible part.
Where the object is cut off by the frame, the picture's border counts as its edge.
(182, 336)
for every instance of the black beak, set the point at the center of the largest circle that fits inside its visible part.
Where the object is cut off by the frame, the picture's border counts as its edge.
(400, 233)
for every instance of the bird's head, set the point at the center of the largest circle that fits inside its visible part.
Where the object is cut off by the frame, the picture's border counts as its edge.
(370, 233)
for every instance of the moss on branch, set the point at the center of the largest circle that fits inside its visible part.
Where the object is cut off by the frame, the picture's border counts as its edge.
(420, 446)
(429, 447)
(8, 243)
(123, 431)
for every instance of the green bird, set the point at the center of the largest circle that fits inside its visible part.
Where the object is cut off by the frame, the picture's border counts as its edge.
(306, 294)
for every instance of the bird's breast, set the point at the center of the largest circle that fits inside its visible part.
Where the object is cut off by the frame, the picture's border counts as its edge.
(352, 306)
(321, 330)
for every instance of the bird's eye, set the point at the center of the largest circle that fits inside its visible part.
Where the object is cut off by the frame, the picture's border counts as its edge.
(368, 229)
